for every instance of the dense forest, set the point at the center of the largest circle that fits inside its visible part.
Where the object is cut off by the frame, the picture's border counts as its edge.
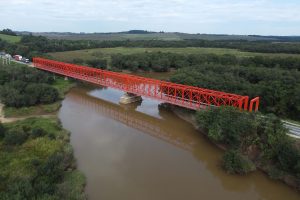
(24, 86)
(162, 62)
(279, 89)
(276, 80)
(36, 45)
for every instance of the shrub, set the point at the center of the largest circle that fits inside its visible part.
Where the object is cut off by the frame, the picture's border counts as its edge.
(41, 93)
(53, 169)
(11, 96)
(38, 132)
(297, 169)
(20, 188)
(227, 125)
(51, 136)
(97, 63)
(235, 163)
(287, 156)
(78, 61)
(2, 130)
(26, 128)
(275, 173)
(215, 134)
(48, 94)
(15, 136)
(3, 180)
(35, 163)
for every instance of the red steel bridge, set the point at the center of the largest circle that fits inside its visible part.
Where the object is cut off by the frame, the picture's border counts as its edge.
(181, 95)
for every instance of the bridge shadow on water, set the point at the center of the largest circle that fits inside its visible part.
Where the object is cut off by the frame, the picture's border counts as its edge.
(162, 126)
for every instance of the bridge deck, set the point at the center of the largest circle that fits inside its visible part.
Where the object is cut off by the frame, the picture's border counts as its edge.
(182, 95)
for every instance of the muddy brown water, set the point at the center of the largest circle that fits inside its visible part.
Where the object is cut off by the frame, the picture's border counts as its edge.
(145, 152)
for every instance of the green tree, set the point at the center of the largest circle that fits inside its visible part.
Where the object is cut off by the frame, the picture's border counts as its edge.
(15, 136)
(2, 131)
(234, 163)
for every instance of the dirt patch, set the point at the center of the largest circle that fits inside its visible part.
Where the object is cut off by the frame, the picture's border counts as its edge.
(14, 119)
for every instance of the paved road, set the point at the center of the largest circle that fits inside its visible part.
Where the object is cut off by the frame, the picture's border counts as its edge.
(28, 64)
(293, 128)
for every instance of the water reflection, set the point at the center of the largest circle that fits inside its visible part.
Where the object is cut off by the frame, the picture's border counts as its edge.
(128, 115)
(121, 162)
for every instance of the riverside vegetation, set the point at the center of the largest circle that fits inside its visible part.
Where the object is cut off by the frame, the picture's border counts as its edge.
(252, 140)
(36, 159)
(27, 91)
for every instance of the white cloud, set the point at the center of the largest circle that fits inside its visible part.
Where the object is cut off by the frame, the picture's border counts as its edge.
(150, 12)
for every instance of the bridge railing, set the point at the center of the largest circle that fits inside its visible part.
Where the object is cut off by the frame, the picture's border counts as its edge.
(182, 95)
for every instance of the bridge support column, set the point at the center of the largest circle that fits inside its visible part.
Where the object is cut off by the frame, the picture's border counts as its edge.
(66, 78)
(128, 98)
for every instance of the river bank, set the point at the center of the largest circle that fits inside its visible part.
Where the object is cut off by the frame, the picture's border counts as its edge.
(10, 114)
(144, 151)
(32, 141)
(260, 164)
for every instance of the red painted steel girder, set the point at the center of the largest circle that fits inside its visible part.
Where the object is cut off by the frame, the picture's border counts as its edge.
(256, 102)
(177, 94)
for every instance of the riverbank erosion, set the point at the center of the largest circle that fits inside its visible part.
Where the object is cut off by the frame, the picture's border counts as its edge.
(36, 158)
(250, 142)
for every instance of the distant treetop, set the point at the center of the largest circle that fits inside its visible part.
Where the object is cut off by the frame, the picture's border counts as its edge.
(139, 32)
(8, 32)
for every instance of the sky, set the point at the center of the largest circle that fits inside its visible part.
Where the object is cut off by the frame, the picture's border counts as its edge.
(262, 17)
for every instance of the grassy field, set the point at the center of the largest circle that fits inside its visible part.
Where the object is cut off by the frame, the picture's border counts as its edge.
(105, 53)
(31, 110)
(10, 38)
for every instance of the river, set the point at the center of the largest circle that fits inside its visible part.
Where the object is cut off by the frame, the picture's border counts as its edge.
(144, 152)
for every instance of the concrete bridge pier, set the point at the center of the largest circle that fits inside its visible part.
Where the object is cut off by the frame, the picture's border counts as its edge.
(128, 98)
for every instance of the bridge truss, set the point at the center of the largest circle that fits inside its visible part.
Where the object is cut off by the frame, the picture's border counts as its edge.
(182, 95)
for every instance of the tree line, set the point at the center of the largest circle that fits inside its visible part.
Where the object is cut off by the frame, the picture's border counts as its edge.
(252, 141)
(8, 31)
(279, 89)
(36, 45)
(162, 62)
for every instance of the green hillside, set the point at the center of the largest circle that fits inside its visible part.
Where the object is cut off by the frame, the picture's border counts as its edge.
(10, 38)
